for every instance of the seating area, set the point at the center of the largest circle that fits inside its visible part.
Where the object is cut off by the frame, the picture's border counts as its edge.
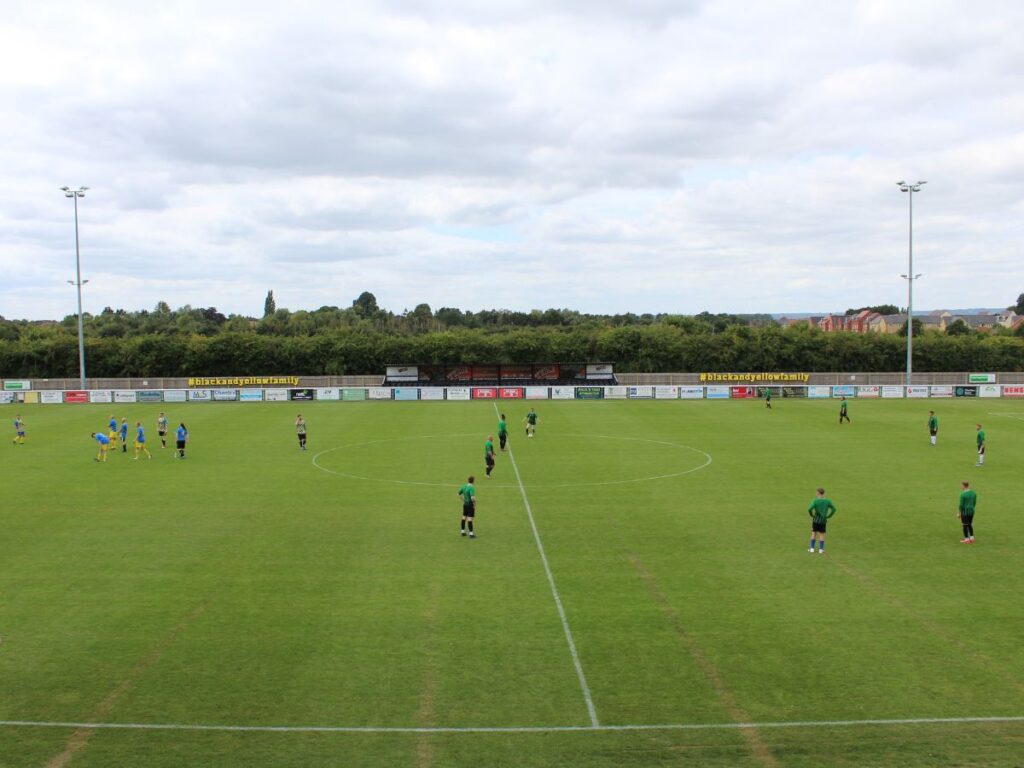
(499, 375)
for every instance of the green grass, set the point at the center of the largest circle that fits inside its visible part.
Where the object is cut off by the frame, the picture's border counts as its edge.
(247, 585)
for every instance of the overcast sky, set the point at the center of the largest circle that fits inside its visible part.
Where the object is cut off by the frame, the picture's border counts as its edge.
(643, 156)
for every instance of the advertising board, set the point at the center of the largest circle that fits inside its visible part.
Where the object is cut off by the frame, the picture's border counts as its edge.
(641, 393)
(16, 385)
(981, 378)
(743, 393)
(175, 395)
(48, 397)
(589, 393)
(819, 391)
(124, 396)
(149, 395)
(511, 393)
(76, 396)
(691, 393)
(940, 390)
(251, 396)
(432, 393)
(599, 371)
(379, 393)
(225, 395)
(458, 393)
(968, 391)
(100, 396)
(304, 394)
(717, 392)
(200, 396)
(536, 393)
(791, 391)
(1013, 390)
(407, 393)
(353, 393)
(6, 398)
(844, 390)
(917, 390)
(869, 390)
(616, 393)
(891, 391)
(666, 392)
(275, 395)
(563, 393)
(485, 393)
(328, 393)
(988, 390)
(403, 373)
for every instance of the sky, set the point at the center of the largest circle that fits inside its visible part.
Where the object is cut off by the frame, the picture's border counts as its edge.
(650, 156)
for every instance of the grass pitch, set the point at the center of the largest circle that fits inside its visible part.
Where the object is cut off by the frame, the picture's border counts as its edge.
(254, 585)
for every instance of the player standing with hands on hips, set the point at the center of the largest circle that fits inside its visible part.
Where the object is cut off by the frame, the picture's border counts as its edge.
(965, 511)
(820, 510)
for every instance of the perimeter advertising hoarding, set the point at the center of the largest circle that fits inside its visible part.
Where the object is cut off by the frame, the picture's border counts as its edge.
(536, 393)
(225, 395)
(76, 396)
(200, 396)
(379, 393)
(251, 396)
(12, 385)
(100, 396)
(275, 395)
(940, 391)
(666, 392)
(589, 393)
(970, 391)
(432, 393)
(407, 393)
(1013, 390)
(819, 391)
(563, 393)
(149, 396)
(717, 392)
(616, 393)
(599, 371)
(691, 393)
(47, 396)
(6, 398)
(124, 396)
(546, 372)
(458, 393)
(175, 395)
(304, 393)
(917, 390)
(844, 390)
(353, 393)
(403, 373)
(742, 393)
(485, 393)
(988, 390)
(459, 373)
(30, 397)
(891, 390)
(792, 391)
(328, 393)
(869, 390)
(511, 393)
(982, 378)
(641, 393)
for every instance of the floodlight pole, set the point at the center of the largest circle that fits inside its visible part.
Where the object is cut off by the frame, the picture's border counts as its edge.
(910, 276)
(74, 194)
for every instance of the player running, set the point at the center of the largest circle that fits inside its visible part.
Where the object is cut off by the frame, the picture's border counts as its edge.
(300, 430)
(103, 442)
(965, 511)
(820, 510)
(123, 434)
(842, 411)
(182, 438)
(981, 447)
(933, 427)
(161, 429)
(531, 423)
(468, 494)
(19, 431)
(140, 442)
(502, 432)
(489, 454)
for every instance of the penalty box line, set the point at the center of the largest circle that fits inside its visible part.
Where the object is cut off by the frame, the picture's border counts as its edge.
(509, 729)
(587, 698)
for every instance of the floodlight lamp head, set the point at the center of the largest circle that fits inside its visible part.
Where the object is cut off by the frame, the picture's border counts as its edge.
(66, 189)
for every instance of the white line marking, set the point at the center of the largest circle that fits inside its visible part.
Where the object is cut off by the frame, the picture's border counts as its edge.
(554, 591)
(353, 476)
(506, 729)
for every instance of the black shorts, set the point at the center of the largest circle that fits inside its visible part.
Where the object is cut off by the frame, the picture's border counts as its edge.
(981, 450)
(469, 510)
(966, 519)
(181, 445)
(817, 527)
(503, 439)
(489, 460)
(162, 434)
(933, 432)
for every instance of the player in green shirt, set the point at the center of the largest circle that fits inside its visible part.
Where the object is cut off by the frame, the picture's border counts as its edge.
(468, 494)
(820, 510)
(933, 427)
(842, 411)
(489, 454)
(502, 432)
(981, 446)
(767, 398)
(965, 511)
(531, 423)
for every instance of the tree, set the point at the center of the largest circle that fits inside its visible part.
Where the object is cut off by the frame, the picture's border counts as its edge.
(269, 305)
(918, 329)
(882, 309)
(366, 304)
(1019, 307)
(958, 328)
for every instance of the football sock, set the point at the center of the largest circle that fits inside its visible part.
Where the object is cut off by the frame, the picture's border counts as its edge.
(967, 531)
(970, 530)
(470, 526)
(463, 525)
(821, 545)
(811, 545)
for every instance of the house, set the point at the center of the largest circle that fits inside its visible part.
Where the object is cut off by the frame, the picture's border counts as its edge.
(832, 322)
(887, 323)
(860, 321)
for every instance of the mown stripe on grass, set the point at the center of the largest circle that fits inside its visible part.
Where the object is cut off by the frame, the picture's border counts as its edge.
(757, 745)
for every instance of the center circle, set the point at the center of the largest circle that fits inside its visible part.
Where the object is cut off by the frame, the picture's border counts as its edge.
(386, 460)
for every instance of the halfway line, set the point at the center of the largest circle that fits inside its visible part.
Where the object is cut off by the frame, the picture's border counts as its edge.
(554, 591)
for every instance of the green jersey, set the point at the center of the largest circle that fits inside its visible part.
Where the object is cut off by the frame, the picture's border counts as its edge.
(502, 428)
(531, 418)
(981, 437)
(488, 449)
(821, 510)
(468, 494)
(968, 499)
(933, 423)
(842, 406)
(767, 394)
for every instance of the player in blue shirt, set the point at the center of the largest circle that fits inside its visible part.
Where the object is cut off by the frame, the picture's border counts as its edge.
(112, 431)
(182, 437)
(19, 430)
(140, 442)
(124, 435)
(104, 443)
